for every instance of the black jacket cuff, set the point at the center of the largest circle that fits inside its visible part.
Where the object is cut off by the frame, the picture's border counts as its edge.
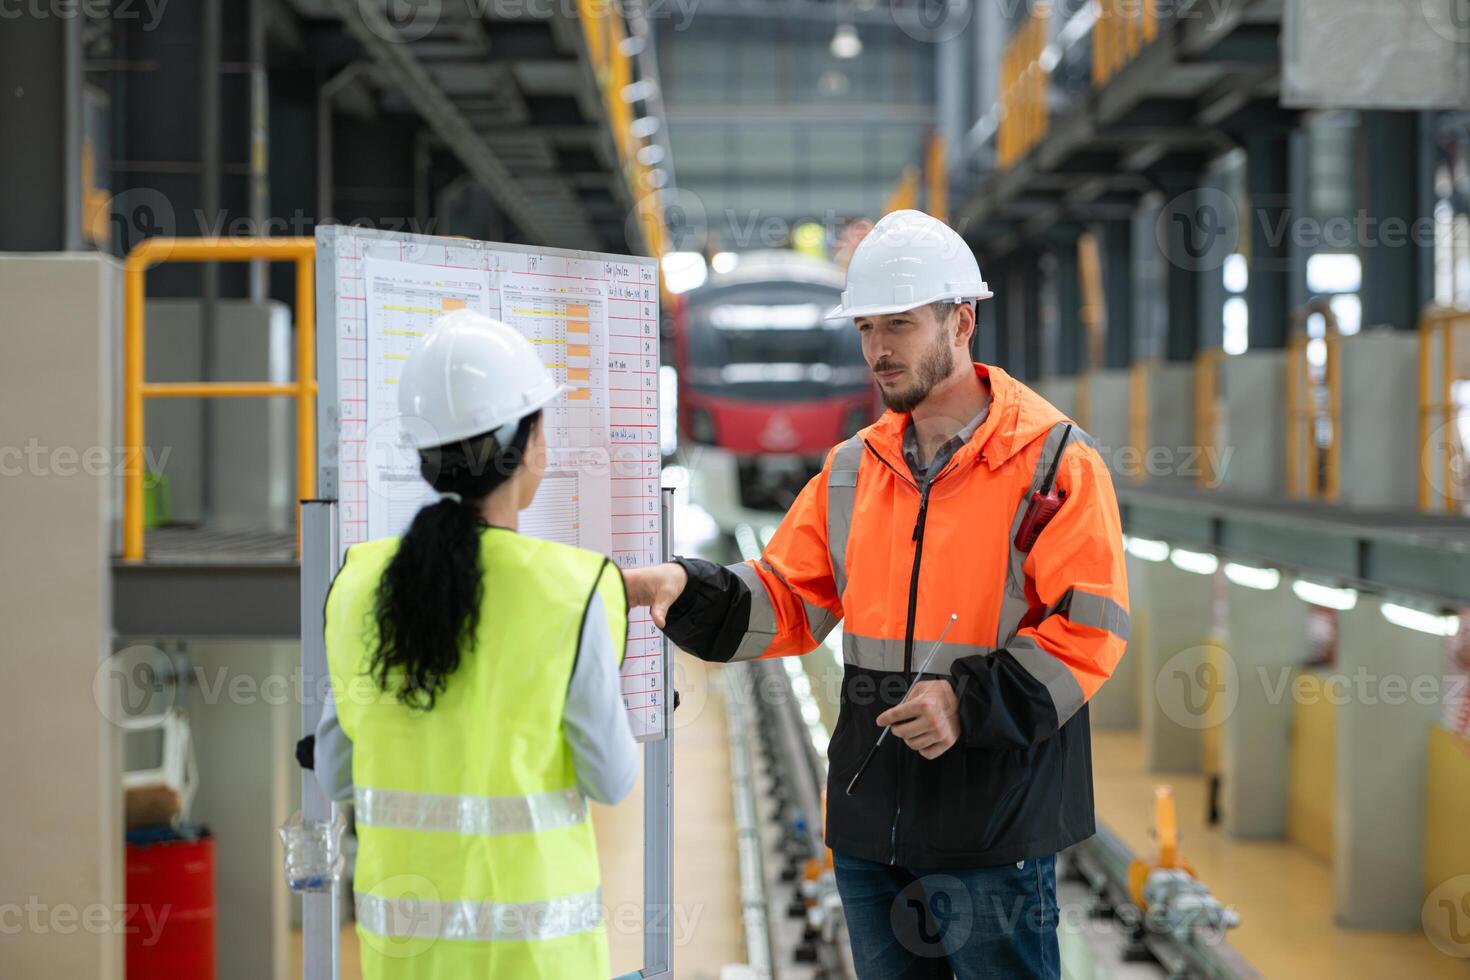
(1001, 705)
(710, 617)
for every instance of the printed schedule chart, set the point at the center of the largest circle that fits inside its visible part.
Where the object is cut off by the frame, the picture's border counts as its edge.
(593, 320)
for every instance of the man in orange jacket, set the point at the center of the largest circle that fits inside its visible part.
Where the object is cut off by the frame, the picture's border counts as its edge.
(974, 500)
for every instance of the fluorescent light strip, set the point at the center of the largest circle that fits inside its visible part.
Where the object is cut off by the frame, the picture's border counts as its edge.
(1198, 562)
(1252, 577)
(1324, 595)
(1148, 549)
(1417, 619)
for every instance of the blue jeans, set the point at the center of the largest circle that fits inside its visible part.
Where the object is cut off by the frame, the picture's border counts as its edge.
(968, 923)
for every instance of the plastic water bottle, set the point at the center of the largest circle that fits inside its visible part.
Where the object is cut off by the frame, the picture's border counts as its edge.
(314, 858)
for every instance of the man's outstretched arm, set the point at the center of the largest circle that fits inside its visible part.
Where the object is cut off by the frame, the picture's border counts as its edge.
(783, 603)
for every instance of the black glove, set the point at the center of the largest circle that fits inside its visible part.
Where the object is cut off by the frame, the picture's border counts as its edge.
(306, 752)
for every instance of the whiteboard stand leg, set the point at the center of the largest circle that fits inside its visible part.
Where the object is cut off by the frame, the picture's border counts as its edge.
(658, 811)
(321, 912)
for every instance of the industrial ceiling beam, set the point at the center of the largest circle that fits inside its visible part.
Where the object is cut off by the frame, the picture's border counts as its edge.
(372, 30)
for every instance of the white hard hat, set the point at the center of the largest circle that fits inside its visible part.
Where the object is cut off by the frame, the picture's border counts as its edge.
(908, 260)
(471, 374)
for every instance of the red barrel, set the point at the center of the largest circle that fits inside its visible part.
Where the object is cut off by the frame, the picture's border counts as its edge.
(170, 917)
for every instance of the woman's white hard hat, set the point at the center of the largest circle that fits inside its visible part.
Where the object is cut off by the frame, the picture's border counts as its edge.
(471, 375)
(908, 260)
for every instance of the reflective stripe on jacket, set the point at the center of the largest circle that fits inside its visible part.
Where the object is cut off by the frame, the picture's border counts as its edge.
(1038, 632)
(475, 856)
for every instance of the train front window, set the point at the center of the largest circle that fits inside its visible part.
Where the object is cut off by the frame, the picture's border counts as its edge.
(770, 342)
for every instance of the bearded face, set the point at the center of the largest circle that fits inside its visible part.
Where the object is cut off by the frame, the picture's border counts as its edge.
(909, 353)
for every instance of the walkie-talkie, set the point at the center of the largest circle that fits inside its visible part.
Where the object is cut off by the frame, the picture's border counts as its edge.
(1045, 502)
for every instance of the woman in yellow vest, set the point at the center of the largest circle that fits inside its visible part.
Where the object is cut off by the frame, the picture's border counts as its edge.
(475, 703)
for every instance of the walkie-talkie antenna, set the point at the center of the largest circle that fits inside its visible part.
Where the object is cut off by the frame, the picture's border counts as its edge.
(1051, 471)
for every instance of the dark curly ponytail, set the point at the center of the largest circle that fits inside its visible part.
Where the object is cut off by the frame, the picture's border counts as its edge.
(428, 601)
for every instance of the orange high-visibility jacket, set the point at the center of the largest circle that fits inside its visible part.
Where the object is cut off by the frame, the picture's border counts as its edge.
(1038, 631)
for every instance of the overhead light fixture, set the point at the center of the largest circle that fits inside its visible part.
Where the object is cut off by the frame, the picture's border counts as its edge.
(640, 91)
(723, 262)
(846, 43)
(1147, 549)
(1324, 595)
(683, 271)
(1252, 577)
(1198, 562)
(1417, 619)
(644, 126)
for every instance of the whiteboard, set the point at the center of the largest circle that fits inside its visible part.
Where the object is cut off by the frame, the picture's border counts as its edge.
(592, 317)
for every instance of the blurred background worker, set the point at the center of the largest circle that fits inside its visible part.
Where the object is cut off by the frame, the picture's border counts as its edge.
(476, 702)
(946, 506)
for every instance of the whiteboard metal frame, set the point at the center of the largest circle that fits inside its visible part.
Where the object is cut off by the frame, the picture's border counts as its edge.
(320, 558)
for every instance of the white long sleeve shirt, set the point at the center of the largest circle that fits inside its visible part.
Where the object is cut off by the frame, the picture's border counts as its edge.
(604, 753)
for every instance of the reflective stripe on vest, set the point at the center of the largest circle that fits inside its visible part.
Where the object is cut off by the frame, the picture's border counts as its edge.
(761, 629)
(412, 917)
(1077, 606)
(841, 494)
(1084, 608)
(470, 823)
(1014, 607)
(1091, 609)
(469, 814)
(871, 653)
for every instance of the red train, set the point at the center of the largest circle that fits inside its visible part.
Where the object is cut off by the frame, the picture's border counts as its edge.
(766, 385)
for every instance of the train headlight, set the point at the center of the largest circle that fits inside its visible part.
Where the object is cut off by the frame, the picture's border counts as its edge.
(702, 426)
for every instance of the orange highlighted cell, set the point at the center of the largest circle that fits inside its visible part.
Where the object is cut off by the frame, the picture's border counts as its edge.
(450, 303)
(578, 326)
(578, 350)
(579, 374)
(579, 395)
(576, 311)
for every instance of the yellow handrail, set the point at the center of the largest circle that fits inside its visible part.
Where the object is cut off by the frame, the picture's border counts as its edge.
(136, 388)
(1444, 321)
(1313, 471)
(1207, 412)
(1024, 83)
(1138, 414)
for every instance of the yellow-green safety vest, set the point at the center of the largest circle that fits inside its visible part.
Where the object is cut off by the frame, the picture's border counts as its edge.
(476, 857)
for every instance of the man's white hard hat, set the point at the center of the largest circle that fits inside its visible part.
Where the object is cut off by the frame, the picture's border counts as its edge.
(909, 259)
(472, 374)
